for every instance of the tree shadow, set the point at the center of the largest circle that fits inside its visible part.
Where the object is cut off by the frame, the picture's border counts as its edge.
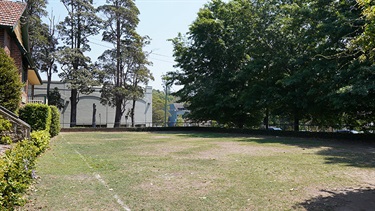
(351, 199)
(356, 157)
(356, 154)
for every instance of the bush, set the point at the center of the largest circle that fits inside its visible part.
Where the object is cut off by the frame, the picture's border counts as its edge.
(55, 121)
(40, 139)
(16, 169)
(10, 83)
(5, 127)
(38, 116)
(16, 173)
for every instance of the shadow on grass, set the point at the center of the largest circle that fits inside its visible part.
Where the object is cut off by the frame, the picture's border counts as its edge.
(364, 158)
(335, 152)
(354, 199)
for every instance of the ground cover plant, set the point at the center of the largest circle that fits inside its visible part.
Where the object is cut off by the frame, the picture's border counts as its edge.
(201, 171)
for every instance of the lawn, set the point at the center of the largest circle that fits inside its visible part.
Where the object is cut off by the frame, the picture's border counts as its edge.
(201, 171)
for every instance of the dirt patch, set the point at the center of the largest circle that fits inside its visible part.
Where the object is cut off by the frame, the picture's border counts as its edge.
(229, 148)
(159, 137)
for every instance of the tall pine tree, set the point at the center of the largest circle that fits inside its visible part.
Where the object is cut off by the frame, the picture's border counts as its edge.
(77, 70)
(126, 60)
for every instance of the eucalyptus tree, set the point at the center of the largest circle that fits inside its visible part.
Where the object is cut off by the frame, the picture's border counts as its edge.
(77, 70)
(124, 63)
(35, 11)
(139, 74)
(45, 52)
(42, 38)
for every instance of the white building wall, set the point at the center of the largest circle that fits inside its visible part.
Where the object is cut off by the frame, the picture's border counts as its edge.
(105, 115)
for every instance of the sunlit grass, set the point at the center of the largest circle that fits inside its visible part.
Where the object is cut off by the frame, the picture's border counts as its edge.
(191, 171)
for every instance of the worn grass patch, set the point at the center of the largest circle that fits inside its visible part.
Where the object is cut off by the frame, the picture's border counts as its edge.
(197, 171)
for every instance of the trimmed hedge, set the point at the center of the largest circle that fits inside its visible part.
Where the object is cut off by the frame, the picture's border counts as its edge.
(55, 121)
(38, 116)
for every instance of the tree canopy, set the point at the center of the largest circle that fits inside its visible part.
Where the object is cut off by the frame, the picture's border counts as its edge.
(301, 61)
(124, 66)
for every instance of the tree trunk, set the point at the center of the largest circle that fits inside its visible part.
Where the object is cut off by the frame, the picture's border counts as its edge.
(73, 107)
(296, 122)
(266, 119)
(132, 113)
(118, 114)
(49, 78)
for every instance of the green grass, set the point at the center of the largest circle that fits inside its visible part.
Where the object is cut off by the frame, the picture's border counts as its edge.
(192, 171)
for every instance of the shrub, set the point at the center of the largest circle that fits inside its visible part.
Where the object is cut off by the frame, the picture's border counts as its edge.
(5, 127)
(16, 173)
(55, 121)
(16, 169)
(40, 139)
(38, 116)
(10, 83)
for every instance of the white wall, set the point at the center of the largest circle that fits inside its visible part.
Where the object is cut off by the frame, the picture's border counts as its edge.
(105, 114)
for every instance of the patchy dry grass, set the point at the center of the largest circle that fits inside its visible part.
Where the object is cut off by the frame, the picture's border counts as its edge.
(200, 171)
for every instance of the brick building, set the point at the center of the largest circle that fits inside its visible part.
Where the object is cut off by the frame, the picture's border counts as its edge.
(14, 40)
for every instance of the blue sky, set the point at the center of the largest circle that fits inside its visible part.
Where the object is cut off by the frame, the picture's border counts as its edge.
(160, 20)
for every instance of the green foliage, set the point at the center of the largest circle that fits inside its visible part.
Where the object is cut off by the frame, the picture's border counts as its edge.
(55, 121)
(38, 116)
(124, 66)
(77, 69)
(5, 126)
(40, 139)
(158, 106)
(180, 121)
(243, 61)
(55, 98)
(10, 83)
(16, 169)
(16, 173)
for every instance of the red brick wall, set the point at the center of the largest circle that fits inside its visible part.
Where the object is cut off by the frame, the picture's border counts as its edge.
(2, 38)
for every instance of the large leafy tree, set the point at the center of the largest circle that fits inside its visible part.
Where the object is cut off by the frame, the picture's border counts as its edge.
(244, 60)
(212, 59)
(77, 70)
(314, 35)
(355, 89)
(124, 65)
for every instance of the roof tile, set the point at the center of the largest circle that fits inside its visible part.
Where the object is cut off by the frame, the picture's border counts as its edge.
(10, 12)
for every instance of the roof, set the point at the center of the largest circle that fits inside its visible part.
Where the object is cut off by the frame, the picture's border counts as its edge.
(10, 12)
(179, 106)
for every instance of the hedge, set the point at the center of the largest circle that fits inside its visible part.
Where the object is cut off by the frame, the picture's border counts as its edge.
(5, 126)
(55, 121)
(38, 116)
(16, 169)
